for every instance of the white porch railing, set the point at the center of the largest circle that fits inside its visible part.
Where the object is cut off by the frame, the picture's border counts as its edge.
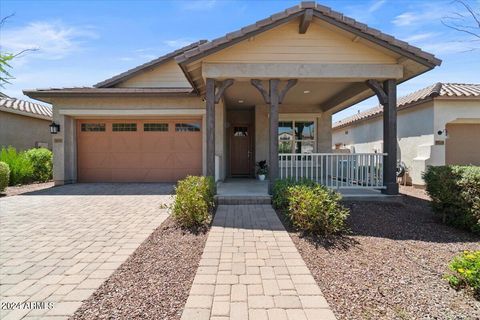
(334, 170)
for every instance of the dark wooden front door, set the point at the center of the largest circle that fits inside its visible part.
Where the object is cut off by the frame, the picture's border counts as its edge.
(241, 150)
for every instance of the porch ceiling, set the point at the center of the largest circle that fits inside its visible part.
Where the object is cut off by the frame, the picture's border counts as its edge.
(305, 92)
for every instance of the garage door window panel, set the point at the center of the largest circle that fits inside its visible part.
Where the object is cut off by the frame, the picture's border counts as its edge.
(93, 127)
(187, 127)
(120, 127)
(155, 127)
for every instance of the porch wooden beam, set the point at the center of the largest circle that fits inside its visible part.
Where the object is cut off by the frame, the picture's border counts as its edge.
(222, 86)
(288, 86)
(377, 87)
(390, 137)
(338, 71)
(273, 137)
(305, 21)
(259, 85)
(210, 101)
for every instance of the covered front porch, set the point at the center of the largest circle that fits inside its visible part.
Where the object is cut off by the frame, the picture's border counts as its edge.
(271, 88)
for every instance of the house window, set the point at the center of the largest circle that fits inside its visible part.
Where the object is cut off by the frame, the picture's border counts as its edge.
(124, 127)
(240, 131)
(296, 136)
(155, 127)
(187, 127)
(97, 127)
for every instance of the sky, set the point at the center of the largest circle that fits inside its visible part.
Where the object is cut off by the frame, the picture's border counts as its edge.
(80, 43)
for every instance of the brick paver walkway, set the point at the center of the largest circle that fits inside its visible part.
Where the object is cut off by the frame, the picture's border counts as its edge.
(59, 245)
(250, 269)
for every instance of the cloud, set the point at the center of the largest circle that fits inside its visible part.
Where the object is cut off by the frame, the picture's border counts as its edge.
(421, 14)
(420, 37)
(177, 43)
(54, 40)
(376, 5)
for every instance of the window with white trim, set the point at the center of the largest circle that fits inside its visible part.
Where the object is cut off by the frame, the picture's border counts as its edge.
(296, 136)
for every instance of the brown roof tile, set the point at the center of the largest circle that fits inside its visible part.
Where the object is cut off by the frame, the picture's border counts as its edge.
(456, 90)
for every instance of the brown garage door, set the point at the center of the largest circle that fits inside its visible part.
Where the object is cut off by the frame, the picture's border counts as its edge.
(138, 150)
(463, 144)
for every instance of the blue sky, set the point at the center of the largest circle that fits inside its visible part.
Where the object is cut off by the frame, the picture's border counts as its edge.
(83, 42)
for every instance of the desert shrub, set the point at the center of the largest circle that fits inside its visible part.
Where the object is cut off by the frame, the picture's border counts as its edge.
(280, 191)
(465, 272)
(4, 176)
(21, 169)
(455, 194)
(41, 160)
(194, 202)
(316, 209)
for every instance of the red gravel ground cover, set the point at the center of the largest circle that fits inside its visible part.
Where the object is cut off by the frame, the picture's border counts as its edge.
(154, 282)
(391, 264)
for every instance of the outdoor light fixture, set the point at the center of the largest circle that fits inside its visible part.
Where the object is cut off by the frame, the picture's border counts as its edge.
(54, 128)
(440, 132)
(306, 91)
(241, 101)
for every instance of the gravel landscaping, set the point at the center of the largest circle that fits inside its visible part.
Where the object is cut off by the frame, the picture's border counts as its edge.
(154, 282)
(25, 188)
(391, 264)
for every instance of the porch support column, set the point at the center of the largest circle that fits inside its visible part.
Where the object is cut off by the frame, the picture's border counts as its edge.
(210, 97)
(213, 97)
(387, 95)
(273, 143)
(274, 97)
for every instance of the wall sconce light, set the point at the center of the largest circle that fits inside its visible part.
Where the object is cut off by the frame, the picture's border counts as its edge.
(440, 132)
(54, 128)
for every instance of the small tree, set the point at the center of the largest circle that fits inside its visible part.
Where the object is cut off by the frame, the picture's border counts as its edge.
(466, 22)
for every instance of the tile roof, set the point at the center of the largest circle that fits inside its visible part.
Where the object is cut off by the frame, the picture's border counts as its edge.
(129, 73)
(320, 12)
(26, 108)
(110, 90)
(447, 90)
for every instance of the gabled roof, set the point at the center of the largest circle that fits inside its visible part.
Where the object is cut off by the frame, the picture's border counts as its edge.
(319, 11)
(26, 108)
(155, 62)
(445, 90)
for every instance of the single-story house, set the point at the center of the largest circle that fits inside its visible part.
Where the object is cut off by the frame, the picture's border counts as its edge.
(24, 124)
(436, 125)
(217, 107)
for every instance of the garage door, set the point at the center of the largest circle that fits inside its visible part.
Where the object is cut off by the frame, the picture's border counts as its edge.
(138, 150)
(463, 144)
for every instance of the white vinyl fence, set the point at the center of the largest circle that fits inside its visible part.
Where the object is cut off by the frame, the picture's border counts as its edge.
(334, 170)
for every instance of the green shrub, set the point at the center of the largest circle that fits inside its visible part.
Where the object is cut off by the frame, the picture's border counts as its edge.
(316, 209)
(455, 194)
(194, 202)
(465, 270)
(41, 160)
(4, 176)
(280, 191)
(21, 169)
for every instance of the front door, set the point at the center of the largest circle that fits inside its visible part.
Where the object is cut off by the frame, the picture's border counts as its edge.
(241, 150)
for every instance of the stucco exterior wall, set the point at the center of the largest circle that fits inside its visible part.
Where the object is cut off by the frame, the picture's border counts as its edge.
(23, 132)
(414, 132)
(166, 75)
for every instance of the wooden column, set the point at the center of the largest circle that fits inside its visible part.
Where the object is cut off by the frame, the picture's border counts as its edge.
(210, 99)
(390, 137)
(387, 96)
(273, 130)
(274, 97)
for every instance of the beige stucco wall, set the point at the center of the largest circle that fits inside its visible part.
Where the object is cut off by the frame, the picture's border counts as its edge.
(319, 44)
(414, 133)
(23, 132)
(291, 112)
(166, 75)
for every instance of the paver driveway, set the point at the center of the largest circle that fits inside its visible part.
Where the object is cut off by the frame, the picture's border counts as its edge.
(58, 245)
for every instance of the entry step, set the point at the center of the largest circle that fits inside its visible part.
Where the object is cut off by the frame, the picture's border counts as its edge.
(235, 200)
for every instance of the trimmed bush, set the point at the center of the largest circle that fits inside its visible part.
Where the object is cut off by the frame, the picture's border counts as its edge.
(4, 176)
(310, 207)
(41, 160)
(455, 194)
(194, 202)
(21, 169)
(465, 272)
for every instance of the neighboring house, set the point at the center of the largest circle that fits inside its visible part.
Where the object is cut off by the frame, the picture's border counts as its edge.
(437, 125)
(209, 108)
(24, 124)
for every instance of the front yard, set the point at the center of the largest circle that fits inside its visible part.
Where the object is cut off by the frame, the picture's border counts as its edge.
(391, 265)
